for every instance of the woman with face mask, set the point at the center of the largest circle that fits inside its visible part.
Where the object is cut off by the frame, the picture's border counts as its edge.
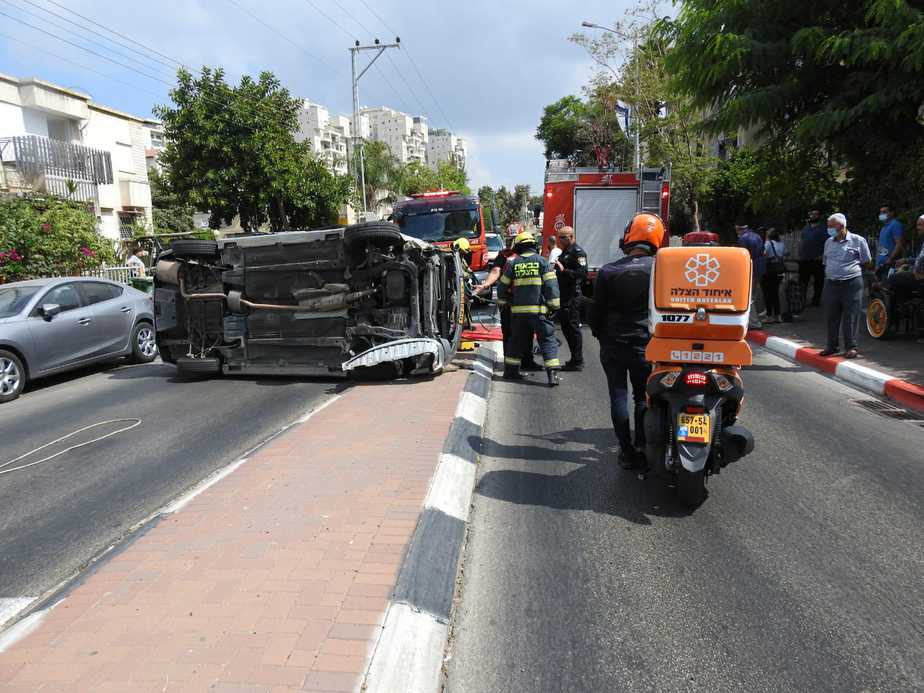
(845, 256)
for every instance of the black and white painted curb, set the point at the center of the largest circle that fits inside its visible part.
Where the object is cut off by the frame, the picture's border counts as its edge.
(408, 656)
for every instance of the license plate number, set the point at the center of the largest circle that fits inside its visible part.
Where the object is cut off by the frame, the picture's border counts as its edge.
(694, 428)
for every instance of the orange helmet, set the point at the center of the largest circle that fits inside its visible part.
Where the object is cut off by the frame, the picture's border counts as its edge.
(645, 228)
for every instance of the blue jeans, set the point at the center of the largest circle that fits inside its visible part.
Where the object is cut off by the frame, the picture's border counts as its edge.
(624, 364)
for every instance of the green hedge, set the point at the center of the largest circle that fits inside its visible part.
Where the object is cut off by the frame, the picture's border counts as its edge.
(47, 236)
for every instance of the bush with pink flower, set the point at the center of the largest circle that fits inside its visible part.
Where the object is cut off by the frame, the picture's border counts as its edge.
(47, 236)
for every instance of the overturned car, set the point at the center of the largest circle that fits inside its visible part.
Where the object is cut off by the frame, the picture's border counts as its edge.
(363, 299)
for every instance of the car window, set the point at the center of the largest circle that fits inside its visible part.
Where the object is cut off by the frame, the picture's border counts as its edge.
(96, 292)
(14, 299)
(65, 296)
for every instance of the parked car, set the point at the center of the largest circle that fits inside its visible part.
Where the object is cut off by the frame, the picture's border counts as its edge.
(495, 244)
(52, 325)
(365, 299)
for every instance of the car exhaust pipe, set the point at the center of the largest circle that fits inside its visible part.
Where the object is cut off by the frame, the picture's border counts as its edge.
(737, 442)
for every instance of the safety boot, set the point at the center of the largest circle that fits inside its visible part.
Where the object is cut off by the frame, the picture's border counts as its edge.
(552, 375)
(513, 374)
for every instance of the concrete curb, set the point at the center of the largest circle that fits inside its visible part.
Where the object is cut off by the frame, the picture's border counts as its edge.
(865, 378)
(408, 655)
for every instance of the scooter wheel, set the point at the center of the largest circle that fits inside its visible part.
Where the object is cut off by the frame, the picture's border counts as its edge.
(691, 487)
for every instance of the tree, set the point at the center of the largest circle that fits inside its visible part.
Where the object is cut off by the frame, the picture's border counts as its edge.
(170, 214)
(558, 128)
(842, 78)
(232, 150)
(382, 173)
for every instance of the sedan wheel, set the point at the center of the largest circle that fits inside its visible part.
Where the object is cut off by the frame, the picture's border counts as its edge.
(12, 376)
(144, 344)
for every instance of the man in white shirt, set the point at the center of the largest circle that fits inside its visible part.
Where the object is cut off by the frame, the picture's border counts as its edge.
(136, 263)
(554, 250)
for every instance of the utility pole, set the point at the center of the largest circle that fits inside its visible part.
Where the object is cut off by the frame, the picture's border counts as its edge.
(379, 48)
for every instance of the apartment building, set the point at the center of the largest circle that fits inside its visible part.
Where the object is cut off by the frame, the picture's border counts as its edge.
(444, 146)
(328, 135)
(154, 143)
(405, 136)
(59, 141)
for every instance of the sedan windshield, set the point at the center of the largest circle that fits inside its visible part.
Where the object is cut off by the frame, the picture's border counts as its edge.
(494, 242)
(13, 300)
(442, 226)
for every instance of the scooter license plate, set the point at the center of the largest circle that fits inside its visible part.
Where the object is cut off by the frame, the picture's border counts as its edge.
(694, 428)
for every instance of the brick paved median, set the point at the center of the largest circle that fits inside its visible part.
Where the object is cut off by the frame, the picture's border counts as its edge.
(274, 579)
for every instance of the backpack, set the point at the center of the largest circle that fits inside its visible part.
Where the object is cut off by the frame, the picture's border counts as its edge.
(776, 265)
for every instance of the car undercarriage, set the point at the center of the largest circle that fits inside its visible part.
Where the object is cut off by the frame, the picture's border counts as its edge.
(362, 299)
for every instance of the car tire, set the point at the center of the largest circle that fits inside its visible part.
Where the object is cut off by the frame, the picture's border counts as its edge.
(691, 488)
(375, 232)
(879, 323)
(12, 376)
(188, 367)
(144, 343)
(191, 249)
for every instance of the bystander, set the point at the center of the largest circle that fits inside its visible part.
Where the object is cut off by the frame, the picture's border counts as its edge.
(891, 240)
(774, 269)
(754, 244)
(844, 257)
(811, 248)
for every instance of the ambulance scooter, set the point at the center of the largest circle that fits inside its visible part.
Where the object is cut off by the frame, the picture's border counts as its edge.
(699, 304)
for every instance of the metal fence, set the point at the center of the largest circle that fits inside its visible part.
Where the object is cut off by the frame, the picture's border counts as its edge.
(115, 274)
(36, 156)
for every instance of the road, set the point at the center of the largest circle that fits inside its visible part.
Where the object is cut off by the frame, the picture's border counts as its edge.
(803, 571)
(58, 514)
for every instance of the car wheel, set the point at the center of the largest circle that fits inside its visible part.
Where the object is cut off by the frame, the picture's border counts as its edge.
(198, 368)
(144, 343)
(376, 232)
(878, 320)
(12, 376)
(186, 248)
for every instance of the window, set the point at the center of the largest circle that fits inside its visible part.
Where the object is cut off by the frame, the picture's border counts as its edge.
(13, 300)
(97, 292)
(65, 296)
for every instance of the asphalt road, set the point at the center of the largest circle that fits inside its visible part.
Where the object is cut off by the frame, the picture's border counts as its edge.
(803, 570)
(57, 515)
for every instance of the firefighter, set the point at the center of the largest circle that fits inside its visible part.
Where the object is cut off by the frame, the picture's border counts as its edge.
(465, 253)
(497, 267)
(619, 319)
(571, 268)
(530, 288)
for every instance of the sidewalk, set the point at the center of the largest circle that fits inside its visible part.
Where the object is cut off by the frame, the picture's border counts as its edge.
(276, 578)
(901, 357)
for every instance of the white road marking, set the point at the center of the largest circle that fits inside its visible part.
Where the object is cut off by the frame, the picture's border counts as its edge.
(409, 654)
(203, 485)
(782, 346)
(451, 488)
(12, 606)
(863, 377)
(472, 408)
(9, 637)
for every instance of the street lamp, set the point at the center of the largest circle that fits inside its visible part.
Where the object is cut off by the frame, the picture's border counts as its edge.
(638, 151)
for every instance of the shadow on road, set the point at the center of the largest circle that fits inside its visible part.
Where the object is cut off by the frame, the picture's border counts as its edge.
(597, 485)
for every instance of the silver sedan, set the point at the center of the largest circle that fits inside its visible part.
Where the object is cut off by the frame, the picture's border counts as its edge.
(52, 325)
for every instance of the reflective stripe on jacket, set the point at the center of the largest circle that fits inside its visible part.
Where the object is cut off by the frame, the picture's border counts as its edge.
(528, 286)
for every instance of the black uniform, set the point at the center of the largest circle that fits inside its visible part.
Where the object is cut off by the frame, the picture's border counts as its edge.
(574, 261)
(530, 289)
(619, 319)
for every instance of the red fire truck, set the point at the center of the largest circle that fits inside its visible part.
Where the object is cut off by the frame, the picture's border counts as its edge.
(598, 205)
(442, 216)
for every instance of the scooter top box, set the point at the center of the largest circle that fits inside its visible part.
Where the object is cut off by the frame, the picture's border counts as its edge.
(701, 293)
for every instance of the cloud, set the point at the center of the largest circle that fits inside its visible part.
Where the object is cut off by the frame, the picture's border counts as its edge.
(489, 66)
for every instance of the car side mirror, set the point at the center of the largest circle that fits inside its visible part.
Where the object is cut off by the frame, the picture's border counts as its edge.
(49, 310)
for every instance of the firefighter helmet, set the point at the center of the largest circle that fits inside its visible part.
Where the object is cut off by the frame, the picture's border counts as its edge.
(524, 237)
(462, 245)
(645, 229)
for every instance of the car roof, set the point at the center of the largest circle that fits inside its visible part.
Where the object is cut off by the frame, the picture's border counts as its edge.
(52, 281)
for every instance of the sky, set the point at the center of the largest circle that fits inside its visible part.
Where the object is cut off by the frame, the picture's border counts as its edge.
(488, 66)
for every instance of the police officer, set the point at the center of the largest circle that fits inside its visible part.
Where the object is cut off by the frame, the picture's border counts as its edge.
(571, 268)
(619, 319)
(530, 288)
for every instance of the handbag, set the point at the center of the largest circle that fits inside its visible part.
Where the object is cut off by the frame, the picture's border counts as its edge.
(776, 265)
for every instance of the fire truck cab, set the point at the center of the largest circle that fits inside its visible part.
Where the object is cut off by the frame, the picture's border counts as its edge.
(441, 217)
(598, 204)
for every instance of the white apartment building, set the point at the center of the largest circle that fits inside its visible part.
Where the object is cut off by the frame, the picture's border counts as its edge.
(327, 135)
(444, 146)
(154, 143)
(57, 140)
(405, 136)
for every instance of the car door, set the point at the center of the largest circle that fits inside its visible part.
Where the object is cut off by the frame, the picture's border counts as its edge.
(113, 315)
(64, 340)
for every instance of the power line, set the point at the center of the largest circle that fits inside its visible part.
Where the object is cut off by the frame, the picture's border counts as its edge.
(69, 61)
(169, 65)
(87, 19)
(413, 64)
(84, 48)
(330, 19)
(89, 40)
(283, 36)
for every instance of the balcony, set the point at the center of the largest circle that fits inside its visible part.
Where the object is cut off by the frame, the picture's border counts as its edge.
(36, 157)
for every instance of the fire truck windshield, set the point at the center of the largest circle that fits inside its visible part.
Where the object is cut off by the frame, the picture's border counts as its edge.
(441, 226)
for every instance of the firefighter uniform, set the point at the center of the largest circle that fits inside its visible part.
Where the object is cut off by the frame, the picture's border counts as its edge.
(574, 261)
(530, 289)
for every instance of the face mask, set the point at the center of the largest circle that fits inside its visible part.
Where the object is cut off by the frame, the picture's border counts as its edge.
(832, 232)
(883, 217)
